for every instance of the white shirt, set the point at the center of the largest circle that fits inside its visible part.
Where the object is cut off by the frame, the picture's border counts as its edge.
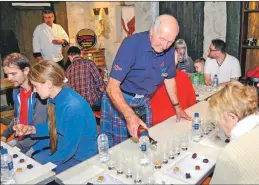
(244, 126)
(42, 41)
(230, 68)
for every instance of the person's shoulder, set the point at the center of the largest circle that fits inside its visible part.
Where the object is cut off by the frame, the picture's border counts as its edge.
(57, 26)
(39, 27)
(136, 38)
(232, 58)
(209, 61)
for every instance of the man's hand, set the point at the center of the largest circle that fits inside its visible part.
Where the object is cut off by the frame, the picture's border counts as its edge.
(39, 59)
(58, 41)
(3, 139)
(180, 113)
(133, 123)
(22, 129)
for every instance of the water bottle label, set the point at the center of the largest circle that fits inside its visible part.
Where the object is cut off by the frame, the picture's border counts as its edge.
(10, 165)
(196, 80)
(196, 126)
(143, 147)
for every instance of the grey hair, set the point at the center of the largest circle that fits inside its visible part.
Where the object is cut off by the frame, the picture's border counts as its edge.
(156, 24)
(181, 43)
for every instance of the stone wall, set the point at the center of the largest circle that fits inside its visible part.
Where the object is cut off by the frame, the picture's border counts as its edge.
(79, 18)
(146, 12)
(214, 23)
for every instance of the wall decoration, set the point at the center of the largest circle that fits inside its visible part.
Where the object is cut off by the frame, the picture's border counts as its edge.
(86, 39)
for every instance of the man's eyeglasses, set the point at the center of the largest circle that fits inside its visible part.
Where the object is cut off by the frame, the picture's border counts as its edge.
(213, 50)
(48, 17)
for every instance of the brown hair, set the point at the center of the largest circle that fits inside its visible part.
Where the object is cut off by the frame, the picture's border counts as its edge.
(17, 59)
(235, 98)
(40, 72)
(200, 60)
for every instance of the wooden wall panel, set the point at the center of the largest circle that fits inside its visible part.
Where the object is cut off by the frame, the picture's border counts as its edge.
(252, 59)
(29, 19)
(190, 16)
(60, 9)
(233, 27)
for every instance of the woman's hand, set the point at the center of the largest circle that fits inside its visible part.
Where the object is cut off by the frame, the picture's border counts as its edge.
(22, 129)
(3, 139)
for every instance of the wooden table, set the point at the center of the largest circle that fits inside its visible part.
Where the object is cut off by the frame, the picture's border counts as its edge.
(162, 132)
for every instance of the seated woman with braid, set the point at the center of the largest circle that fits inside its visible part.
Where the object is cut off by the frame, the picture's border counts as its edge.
(71, 125)
(234, 109)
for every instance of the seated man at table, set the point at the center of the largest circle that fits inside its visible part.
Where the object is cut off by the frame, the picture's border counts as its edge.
(220, 63)
(84, 77)
(238, 118)
(28, 107)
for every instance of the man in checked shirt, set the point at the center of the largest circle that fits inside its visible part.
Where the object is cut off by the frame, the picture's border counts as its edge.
(84, 77)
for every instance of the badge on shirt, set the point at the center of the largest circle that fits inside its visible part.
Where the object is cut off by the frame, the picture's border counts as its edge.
(164, 72)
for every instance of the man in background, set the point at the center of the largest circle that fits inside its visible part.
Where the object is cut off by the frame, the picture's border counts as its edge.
(84, 77)
(220, 63)
(48, 40)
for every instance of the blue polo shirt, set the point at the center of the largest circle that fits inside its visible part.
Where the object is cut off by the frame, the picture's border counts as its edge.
(138, 68)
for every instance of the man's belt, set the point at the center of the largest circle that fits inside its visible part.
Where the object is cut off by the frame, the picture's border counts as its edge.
(133, 94)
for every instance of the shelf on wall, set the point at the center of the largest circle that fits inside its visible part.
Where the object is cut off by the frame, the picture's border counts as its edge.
(250, 47)
(253, 10)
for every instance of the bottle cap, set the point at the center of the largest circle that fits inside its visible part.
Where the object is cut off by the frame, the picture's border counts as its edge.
(144, 133)
(196, 114)
(4, 151)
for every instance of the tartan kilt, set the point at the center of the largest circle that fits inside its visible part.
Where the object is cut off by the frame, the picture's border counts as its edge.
(112, 122)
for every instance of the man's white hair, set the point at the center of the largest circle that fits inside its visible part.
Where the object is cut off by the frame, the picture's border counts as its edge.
(158, 22)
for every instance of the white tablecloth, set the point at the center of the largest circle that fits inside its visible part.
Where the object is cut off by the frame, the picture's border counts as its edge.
(164, 131)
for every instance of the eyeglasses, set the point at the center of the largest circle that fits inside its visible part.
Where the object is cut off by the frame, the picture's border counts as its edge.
(213, 50)
(48, 17)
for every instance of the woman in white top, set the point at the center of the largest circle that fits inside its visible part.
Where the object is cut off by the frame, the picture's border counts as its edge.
(234, 109)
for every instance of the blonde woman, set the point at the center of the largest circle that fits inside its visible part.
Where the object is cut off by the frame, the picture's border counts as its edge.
(185, 63)
(71, 124)
(234, 109)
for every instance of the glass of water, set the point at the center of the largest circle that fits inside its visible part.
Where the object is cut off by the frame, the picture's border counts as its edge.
(184, 141)
(111, 163)
(176, 146)
(128, 170)
(120, 163)
(16, 121)
(137, 173)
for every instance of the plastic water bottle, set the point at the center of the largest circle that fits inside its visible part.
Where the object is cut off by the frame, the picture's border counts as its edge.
(215, 81)
(144, 144)
(196, 137)
(196, 80)
(103, 147)
(7, 171)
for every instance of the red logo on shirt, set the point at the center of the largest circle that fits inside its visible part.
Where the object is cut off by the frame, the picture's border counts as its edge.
(117, 67)
(163, 64)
